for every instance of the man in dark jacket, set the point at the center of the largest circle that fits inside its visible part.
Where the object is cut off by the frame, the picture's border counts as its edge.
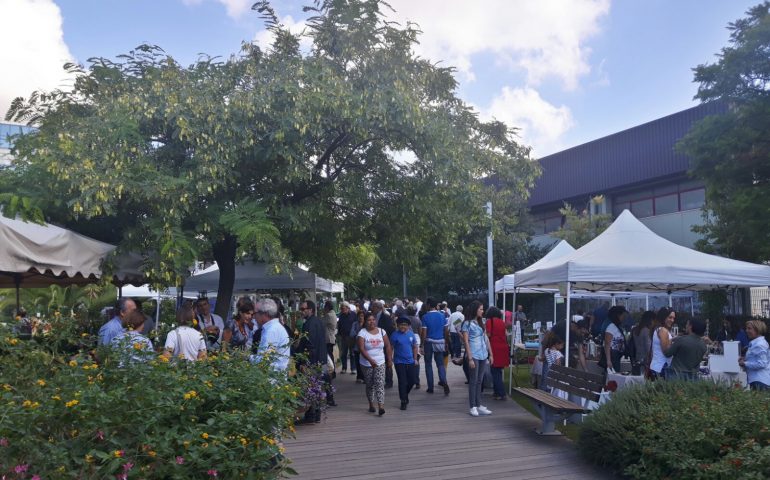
(385, 322)
(313, 346)
(345, 321)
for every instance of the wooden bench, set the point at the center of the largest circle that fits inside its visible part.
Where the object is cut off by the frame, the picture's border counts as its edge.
(575, 383)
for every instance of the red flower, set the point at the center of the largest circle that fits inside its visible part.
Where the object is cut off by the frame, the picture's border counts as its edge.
(737, 462)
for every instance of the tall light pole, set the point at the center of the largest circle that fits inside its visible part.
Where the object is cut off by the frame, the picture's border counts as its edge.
(490, 269)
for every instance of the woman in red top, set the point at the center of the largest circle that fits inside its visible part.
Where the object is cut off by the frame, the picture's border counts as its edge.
(495, 328)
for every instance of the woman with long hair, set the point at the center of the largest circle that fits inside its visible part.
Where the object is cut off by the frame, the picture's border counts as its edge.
(498, 340)
(641, 337)
(184, 341)
(477, 352)
(661, 340)
(243, 328)
(614, 339)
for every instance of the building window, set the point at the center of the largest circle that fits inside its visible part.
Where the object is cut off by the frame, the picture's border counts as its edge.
(666, 204)
(692, 199)
(643, 208)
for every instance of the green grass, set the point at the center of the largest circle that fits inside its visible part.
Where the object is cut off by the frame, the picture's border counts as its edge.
(571, 430)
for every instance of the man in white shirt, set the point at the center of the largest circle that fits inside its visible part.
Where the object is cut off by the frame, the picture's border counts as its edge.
(274, 342)
(454, 322)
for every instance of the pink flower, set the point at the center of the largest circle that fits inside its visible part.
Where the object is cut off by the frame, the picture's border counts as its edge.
(128, 466)
(179, 460)
(3, 442)
(35, 477)
(213, 473)
(122, 476)
(21, 468)
(100, 435)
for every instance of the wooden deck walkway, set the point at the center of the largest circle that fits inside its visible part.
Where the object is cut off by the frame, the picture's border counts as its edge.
(434, 438)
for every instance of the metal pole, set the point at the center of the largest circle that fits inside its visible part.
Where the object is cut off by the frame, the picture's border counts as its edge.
(670, 302)
(17, 282)
(157, 312)
(490, 270)
(646, 301)
(566, 335)
(403, 278)
(692, 306)
(554, 309)
(512, 361)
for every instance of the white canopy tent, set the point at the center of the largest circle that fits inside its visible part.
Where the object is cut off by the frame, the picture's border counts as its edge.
(251, 277)
(34, 255)
(629, 256)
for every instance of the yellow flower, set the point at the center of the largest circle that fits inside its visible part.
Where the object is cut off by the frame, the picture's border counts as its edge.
(190, 394)
(84, 334)
(89, 459)
(73, 433)
(195, 322)
(291, 428)
(152, 453)
(13, 341)
(163, 359)
(6, 387)
(186, 443)
(41, 382)
(73, 363)
(205, 445)
(244, 442)
(137, 346)
(56, 397)
(61, 469)
(118, 453)
(204, 435)
(71, 403)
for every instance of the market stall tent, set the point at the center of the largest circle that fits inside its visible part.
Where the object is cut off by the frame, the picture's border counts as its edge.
(507, 283)
(252, 276)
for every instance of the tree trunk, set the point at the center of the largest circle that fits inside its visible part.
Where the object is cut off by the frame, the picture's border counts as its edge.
(224, 254)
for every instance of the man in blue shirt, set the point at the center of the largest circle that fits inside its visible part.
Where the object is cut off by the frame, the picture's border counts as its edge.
(434, 339)
(403, 353)
(114, 327)
(274, 341)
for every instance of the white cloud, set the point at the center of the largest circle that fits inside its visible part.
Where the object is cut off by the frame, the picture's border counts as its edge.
(33, 49)
(544, 39)
(264, 38)
(234, 8)
(541, 123)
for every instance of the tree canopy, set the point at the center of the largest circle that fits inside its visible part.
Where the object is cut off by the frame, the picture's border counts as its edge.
(279, 154)
(731, 152)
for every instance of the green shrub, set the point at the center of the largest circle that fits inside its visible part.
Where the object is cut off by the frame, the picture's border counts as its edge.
(67, 417)
(694, 430)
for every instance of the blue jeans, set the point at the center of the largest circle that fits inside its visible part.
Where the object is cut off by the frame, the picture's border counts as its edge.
(497, 381)
(457, 349)
(475, 382)
(439, 358)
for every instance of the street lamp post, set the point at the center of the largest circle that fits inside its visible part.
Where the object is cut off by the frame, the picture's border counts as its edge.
(490, 270)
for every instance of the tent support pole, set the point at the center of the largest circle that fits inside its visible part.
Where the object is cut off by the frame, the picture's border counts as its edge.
(157, 312)
(646, 301)
(692, 306)
(512, 361)
(567, 329)
(17, 283)
(670, 300)
(554, 309)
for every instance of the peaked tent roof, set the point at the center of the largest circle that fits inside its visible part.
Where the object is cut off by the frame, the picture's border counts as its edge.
(629, 256)
(252, 276)
(559, 250)
(42, 255)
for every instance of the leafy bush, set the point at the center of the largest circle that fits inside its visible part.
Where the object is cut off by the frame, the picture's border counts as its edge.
(694, 430)
(68, 417)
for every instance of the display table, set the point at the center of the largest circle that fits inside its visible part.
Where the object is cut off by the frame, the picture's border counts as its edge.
(729, 378)
(625, 380)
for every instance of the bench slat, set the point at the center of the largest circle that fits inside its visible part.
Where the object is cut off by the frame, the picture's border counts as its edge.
(575, 382)
(556, 403)
(588, 376)
(580, 392)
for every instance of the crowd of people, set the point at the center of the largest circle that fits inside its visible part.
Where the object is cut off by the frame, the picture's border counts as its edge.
(651, 346)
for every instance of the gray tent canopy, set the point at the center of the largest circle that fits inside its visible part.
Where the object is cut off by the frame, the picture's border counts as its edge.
(252, 276)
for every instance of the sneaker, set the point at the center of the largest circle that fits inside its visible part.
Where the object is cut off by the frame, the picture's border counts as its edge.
(371, 410)
(343, 371)
(417, 387)
(403, 405)
(474, 412)
(381, 412)
(353, 372)
(446, 389)
(430, 390)
(484, 410)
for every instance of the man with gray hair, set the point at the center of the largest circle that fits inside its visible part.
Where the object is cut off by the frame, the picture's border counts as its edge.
(274, 342)
(114, 327)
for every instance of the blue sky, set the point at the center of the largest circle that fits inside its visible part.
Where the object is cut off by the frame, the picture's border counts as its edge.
(564, 71)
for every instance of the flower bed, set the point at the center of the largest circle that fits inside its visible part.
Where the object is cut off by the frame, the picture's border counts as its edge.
(696, 430)
(67, 417)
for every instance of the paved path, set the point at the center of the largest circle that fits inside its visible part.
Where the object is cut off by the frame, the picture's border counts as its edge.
(434, 438)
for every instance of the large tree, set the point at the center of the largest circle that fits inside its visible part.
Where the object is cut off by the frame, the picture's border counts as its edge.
(731, 152)
(278, 154)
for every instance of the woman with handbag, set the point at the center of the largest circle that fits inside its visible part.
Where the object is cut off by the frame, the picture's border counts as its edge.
(661, 340)
(375, 351)
(614, 339)
(498, 341)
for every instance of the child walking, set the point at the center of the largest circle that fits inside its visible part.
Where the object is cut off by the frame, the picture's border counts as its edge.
(404, 357)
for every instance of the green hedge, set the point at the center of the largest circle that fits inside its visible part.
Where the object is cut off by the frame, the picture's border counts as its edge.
(693, 430)
(67, 417)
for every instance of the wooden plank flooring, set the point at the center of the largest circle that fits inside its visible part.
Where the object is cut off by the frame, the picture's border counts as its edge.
(434, 439)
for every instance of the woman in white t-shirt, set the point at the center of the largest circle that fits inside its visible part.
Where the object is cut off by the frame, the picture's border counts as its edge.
(661, 340)
(185, 341)
(614, 339)
(374, 346)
